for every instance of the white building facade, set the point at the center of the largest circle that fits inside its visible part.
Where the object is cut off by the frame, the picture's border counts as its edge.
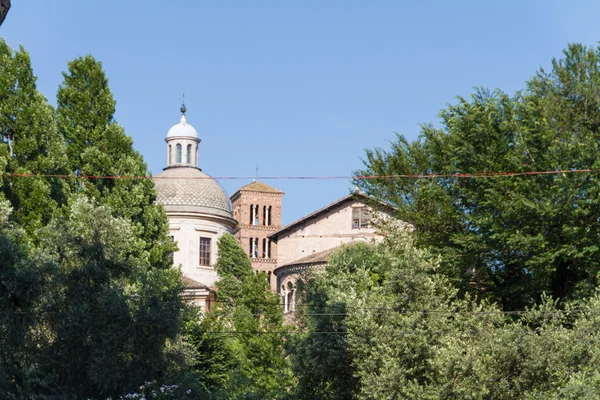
(198, 209)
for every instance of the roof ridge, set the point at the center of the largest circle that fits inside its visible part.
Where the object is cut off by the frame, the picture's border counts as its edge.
(258, 186)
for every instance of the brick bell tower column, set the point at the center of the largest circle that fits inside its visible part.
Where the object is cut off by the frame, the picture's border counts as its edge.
(257, 209)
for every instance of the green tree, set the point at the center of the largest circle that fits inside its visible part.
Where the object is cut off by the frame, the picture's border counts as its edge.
(22, 280)
(509, 238)
(249, 316)
(30, 143)
(98, 146)
(397, 329)
(108, 313)
(376, 341)
(80, 314)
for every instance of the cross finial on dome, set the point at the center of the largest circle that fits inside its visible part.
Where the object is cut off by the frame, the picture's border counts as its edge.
(183, 109)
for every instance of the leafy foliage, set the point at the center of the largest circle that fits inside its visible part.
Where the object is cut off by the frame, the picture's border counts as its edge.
(510, 239)
(96, 317)
(400, 331)
(249, 316)
(30, 143)
(97, 146)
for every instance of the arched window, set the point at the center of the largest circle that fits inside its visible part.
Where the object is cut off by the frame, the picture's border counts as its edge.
(169, 155)
(188, 156)
(290, 298)
(178, 154)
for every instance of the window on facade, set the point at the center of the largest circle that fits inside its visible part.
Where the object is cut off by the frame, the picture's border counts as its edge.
(360, 218)
(254, 214)
(188, 154)
(254, 247)
(169, 155)
(267, 216)
(266, 248)
(204, 251)
(178, 153)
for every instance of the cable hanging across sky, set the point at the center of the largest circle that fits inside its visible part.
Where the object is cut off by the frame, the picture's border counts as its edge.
(474, 175)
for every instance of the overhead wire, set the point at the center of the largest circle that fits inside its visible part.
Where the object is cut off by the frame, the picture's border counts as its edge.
(318, 177)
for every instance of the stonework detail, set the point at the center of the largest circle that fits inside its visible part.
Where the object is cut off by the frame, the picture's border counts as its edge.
(188, 186)
(304, 246)
(198, 210)
(257, 209)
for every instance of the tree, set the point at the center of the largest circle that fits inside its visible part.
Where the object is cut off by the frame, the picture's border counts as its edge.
(366, 334)
(507, 238)
(22, 280)
(381, 322)
(81, 315)
(98, 146)
(30, 144)
(108, 313)
(249, 316)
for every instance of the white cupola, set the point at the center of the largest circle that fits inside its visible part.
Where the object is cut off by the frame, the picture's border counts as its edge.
(182, 144)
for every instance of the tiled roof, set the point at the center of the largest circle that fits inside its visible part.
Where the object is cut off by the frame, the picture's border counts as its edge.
(315, 258)
(258, 186)
(188, 186)
(192, 284)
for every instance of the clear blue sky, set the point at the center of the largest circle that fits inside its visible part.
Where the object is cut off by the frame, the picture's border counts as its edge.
(299, 87)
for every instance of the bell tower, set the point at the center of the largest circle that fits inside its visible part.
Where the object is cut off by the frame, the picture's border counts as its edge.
(257, 209)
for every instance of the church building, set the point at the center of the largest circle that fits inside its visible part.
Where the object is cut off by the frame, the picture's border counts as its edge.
(199, 212)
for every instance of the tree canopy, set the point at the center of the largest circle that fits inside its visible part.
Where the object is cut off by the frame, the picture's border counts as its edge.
(31, 143)
(507, 238)
(250, 316)
(381, 322)
(97, 145)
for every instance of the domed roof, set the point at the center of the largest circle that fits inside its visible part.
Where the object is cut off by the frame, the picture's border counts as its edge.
(182, 129)
(188, 189)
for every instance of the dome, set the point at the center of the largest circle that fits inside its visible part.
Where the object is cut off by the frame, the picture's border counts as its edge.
(187, 189)
(182, 129)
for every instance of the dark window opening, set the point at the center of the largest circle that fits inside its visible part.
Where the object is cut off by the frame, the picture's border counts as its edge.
(360, 218)
(204, 251)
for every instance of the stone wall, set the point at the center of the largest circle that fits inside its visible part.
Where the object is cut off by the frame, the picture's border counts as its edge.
(325, 231)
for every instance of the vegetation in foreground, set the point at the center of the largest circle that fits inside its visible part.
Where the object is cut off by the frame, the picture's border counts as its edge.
(494, 295)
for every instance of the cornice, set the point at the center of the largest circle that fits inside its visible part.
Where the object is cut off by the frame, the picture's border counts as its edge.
(264, 260)
(258, 227)
(287, 270)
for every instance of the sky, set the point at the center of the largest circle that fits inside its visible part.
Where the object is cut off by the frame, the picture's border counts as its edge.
(300, 88)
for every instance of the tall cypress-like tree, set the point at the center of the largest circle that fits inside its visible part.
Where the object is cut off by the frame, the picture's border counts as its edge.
(250, 317)
(98, 146)
(30, 143)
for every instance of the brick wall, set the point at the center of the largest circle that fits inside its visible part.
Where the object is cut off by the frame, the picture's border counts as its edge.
(241, 204)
